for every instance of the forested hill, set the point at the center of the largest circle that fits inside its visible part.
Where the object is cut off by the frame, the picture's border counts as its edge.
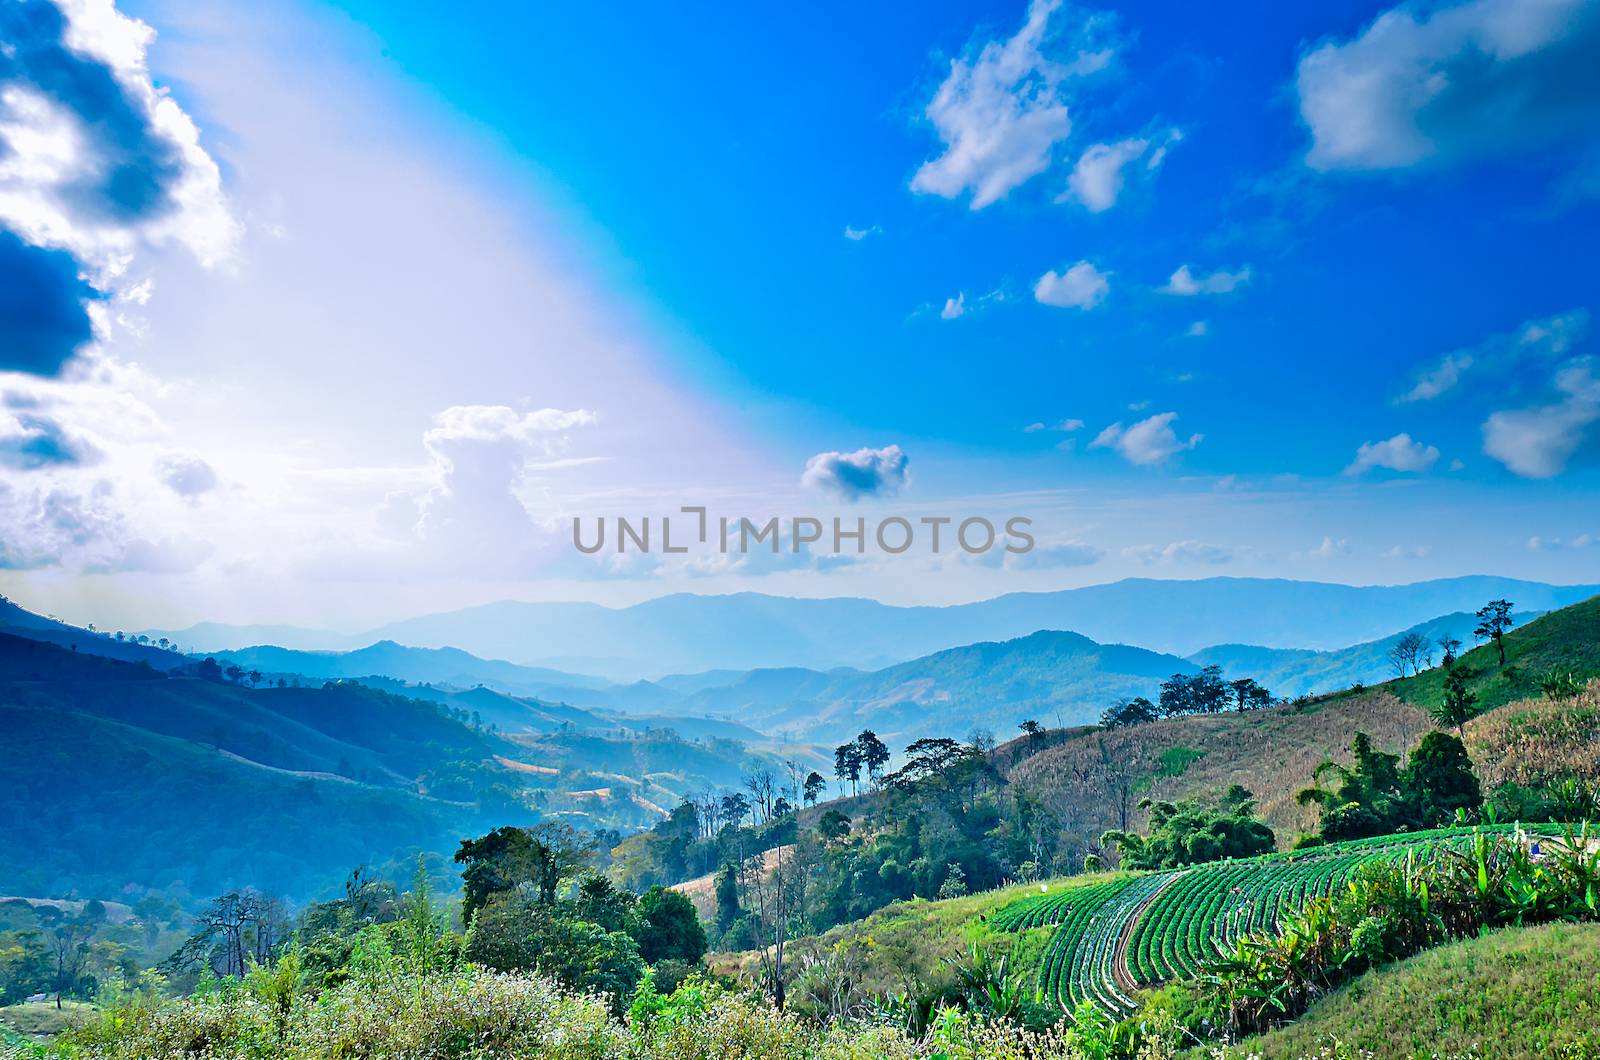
(121, 777)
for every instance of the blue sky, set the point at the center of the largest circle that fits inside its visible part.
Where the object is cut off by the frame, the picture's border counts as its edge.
(1282, 290)
(724, 156)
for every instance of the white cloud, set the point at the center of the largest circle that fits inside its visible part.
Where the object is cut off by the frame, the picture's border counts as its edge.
(856, 235)
(1439, 83)
(1150, 441)
(1539, 442)
(1543, 339)
(1407, 552)
(954, 307)
(1185, 283)
(1557, 544)
(1066, 426)
(1331, 548)
(1400, 453)
(1438, 379)
(1198, 330)
(101, 158)
(1100, 174)
(1180, 552)
(863, 473)
(475, 516)
(186, 474)
(1001, 111)
(1080, 287)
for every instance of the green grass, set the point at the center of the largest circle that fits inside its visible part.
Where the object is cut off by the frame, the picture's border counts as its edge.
(37, 1020)
(1174, 760)
(1512, 994)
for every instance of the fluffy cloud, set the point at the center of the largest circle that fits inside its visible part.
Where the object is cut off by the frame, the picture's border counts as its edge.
(476, 516)
(1400, 453)
(1066, 426)
(1536, 341)
(1331, 548)
(1185, 283)
(1080, 287)
(863, 473)
(86, 530)
(1098, 177)
(95, 162)
(1150, 441)
(1182, 552)
(1539, 442)
(856, 235)
(186, 474)
(954, 307)
(1439, 83)
(1001, 111)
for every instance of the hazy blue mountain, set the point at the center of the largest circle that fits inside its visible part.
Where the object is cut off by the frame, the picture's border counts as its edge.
(687, 634)
(1292, 672)
(207, 637)
(448, 666)
(1056, 678)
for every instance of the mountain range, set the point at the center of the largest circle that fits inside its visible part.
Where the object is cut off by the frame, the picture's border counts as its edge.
(685, 633)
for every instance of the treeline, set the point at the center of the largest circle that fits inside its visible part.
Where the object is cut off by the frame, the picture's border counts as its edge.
(1205, 692)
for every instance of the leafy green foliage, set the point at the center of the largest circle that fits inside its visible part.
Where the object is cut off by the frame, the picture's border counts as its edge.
(1189, 832)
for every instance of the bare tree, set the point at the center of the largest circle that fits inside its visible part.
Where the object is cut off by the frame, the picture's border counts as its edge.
(1407, 653)
(763, 788)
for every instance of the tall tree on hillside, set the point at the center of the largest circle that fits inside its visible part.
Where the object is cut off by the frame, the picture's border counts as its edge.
(847, 765)
(1248, 695)
(1494, 619)
(1135, 711)
(814, 787)
(1034, 732)
(874, 754)
(734, 808)
(1455, 708)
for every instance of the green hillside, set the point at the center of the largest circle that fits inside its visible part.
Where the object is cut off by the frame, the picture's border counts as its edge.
(1563, 641)
(122, 778)
(1513, 994)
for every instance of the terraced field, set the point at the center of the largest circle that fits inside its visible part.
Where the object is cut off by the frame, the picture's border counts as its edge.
(1111, 938)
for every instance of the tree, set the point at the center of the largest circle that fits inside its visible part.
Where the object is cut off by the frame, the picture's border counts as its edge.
(833, 826)
(515, 931)
(1134, 711)
(727, 895)
(666, 927)
(1407, 653)
(1455, 708)
(874, 754)
(815, 785)
(734, 808)
(1189, 832)
(1439, 780)
(1494, 618)
(1033, 730)
(69, 952)
(1247, 695)
(1368, 799)
(542, 857)
(847, 765)
(1201, 693)
(1449, 645)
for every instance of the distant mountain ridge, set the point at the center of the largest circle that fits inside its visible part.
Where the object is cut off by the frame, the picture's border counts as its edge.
(687, 634)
